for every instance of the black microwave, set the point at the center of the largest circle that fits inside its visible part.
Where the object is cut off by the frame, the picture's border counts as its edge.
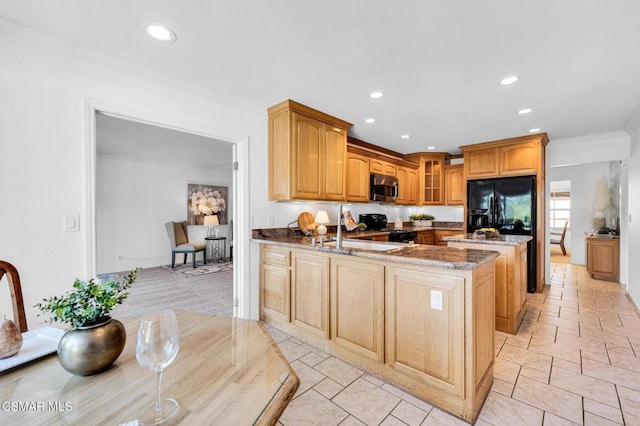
(383, 188)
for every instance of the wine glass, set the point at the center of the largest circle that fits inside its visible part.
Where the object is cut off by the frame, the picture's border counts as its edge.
(157, 346)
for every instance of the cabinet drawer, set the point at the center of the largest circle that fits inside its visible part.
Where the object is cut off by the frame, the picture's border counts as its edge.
(276, 256)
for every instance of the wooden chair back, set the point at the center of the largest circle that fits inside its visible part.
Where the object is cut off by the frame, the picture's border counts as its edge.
(15, 289)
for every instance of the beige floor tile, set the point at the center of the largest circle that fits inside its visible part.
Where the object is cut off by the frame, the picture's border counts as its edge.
(366, 401)
(316, 350)
(312, 359)
(502, 411)
(328, 388)
(620, 348)
(629, 394)
(296, 341)
(292, 351)
(603, 410)
(611, 373)
(525, 358)
(625, 361)
(506, 370)
(438, 417)
(277, 335)
(311, 408)
(600, 357)
(593, 420)
(557, 401)
(571, 366)
(541, 376)
(423, 405)
(307, 375)
(409, 414)
(351, 421)
(373, 380)
(553, 420)
(392, 421)
(338, 370)
(502, 387)
(557, 350)
(630, 411)
(596, 389)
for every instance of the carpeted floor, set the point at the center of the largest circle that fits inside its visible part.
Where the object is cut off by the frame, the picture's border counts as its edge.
(159, 288)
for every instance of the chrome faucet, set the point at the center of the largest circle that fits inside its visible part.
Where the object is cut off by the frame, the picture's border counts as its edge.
(339, 233)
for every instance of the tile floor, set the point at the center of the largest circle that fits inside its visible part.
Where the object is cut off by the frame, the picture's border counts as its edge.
(573, 362)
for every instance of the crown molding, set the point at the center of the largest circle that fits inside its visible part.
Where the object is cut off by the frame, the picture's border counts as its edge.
(587, 138)
(634, 123)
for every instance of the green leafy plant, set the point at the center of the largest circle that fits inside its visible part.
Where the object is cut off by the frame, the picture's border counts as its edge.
(421, 216)
(89, 303)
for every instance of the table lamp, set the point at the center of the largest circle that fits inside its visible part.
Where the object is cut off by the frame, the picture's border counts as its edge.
(322, 218)
(212, 222)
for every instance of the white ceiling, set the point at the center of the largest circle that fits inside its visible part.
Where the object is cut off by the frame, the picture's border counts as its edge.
(438, 61)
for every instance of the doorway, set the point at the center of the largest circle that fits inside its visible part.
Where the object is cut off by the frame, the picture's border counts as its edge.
(159, 155)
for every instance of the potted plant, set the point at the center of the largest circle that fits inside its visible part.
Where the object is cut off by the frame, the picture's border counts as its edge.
(421, 219)
(95, 340)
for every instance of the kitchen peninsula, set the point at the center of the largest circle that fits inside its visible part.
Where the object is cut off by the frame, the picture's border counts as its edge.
(418, 316)
(510, 274)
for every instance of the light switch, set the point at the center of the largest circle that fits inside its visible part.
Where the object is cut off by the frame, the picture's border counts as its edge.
(436, 300)
(71, 222)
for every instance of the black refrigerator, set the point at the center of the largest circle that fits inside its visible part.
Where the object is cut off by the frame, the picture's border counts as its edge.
(508, 205)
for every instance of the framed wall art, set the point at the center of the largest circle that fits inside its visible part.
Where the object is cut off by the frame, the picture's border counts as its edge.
(203, 200)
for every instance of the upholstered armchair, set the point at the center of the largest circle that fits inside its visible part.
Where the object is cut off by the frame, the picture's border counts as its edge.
(179, 239)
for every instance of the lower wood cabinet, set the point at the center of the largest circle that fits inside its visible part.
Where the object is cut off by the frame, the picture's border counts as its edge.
(275, 285)
(603, 258)
(357, 307)
(310, 292)
(442, 233)
(426, 237)
(426, 338)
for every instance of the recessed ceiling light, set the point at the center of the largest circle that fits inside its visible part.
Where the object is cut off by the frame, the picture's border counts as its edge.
(525, 111)
(376, 95)
(431, 147)
(160, 32)
(509, 80)
(534, 130)
(405, 136)
(370, 120)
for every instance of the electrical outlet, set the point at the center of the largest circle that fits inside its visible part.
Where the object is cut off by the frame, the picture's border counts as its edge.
(271, 220)
(120, 258)
(436, 300)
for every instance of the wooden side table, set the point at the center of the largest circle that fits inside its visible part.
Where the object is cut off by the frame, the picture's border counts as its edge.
(216, 247)
(603, 258)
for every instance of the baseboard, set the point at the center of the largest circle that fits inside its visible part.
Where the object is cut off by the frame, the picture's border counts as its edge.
(633, 302)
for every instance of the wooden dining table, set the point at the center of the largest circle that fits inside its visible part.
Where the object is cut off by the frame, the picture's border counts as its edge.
(228, 371)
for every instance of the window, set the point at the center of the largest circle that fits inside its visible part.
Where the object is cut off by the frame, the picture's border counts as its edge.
(560, 204)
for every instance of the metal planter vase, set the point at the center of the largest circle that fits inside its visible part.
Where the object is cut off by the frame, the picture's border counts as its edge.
(89, 350)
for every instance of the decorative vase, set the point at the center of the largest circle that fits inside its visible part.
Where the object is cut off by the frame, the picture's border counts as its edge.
(91, 349)
(599, 220)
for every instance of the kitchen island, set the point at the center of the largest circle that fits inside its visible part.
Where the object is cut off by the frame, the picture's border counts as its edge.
(420, 317)
(510, 275)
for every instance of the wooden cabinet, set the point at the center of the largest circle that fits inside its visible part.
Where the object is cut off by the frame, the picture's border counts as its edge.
(357, 178)
(310, 292)
(413, 317)
(357, 307)
(442, 233)
(307, 154)
(379, 166)
(603, 258)
(407, 185)
(519, 159)
(430, 177)
(427, 237)
(481, 163)
(454, 185)
(275, 285)
(511, 282)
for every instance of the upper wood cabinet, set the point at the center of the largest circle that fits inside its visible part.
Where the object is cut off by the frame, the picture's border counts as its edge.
(430, 177)
(381, 167)
(307, 154)
(509, 157)
(454, 185)
(357, 178)
(407, 185)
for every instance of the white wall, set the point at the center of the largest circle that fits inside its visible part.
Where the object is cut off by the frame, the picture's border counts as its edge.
(633, 219)
(133, 201)
(44, 86)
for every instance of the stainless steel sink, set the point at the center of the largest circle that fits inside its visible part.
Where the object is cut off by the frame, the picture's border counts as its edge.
(365, 245)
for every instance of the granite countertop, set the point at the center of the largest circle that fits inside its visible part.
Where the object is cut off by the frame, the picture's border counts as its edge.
(416, 254)
(502, 240)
